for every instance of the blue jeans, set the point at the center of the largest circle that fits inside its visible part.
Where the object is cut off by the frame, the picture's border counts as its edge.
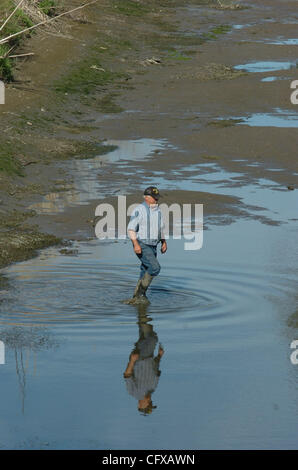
(148, 258)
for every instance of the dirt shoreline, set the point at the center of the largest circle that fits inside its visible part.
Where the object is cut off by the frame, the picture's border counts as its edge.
(95, 83)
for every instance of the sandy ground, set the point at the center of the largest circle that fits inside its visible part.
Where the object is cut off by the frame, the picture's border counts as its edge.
(181, 98)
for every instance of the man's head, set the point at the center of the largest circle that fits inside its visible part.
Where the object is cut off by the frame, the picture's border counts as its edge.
(151, 195)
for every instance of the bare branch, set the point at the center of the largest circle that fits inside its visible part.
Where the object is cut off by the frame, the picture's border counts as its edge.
(2, 41)
(16, 55)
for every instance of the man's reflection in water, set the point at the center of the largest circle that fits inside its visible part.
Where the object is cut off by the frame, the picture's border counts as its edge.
(142, 371)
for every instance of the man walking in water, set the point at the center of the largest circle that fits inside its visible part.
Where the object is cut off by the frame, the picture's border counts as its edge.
(145, 229)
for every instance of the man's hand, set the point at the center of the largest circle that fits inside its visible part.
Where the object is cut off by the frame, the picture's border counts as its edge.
(134, 357)
(160, 351)
(164, 246)
(137, 248)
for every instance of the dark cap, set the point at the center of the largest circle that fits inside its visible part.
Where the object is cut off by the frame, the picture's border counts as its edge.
(152, 191)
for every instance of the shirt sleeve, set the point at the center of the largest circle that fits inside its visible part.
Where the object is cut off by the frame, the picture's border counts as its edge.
(162, 228)
(135, 220)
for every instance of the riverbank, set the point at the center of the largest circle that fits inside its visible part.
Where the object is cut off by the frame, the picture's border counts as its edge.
(149, 70)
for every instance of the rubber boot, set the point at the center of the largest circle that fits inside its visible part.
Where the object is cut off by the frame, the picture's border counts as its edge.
(142, 286)
(145, 282)
(135, 294)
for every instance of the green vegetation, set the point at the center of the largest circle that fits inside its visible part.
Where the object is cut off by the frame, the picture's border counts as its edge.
(84, 76)
(106, 104)
(178, 55)
(48, 6)
(6, 64)
(88, 74)
(130, 8)
(8, 164)
(17, 23)
(216, 31)
(164, 25)
(85, 150)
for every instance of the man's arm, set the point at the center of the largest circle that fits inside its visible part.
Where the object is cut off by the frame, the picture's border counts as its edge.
(164, 245)
(158, 358)
(136, 246)
(132, 228)
(129, 368)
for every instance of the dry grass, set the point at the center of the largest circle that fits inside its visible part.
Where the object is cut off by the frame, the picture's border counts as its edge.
(16, 22)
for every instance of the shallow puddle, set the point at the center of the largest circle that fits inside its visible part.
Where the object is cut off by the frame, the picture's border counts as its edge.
(263, 197)
(266, 66)
(280, 118)
(86, 185)
(273, 79)
(222, 314)
(284, 41)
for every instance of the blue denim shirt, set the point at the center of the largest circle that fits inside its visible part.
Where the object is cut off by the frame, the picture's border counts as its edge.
(147, 223)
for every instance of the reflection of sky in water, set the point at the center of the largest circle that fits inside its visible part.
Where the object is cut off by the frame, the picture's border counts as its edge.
(86, 174)
(284, 41)
(240, 26)
(205, 177)
(274, 202)
(279, 118)
(266, 66)
(279, 41)
(133, 149)
(273, 79)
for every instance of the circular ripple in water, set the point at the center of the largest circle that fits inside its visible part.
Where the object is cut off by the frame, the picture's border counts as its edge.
(79, 289)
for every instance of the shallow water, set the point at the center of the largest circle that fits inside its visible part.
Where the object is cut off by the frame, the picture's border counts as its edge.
(278, 118)
(225, 315)
(266, 66)
(222, 314)
(87, 184)
(273, 79)
(284, 41)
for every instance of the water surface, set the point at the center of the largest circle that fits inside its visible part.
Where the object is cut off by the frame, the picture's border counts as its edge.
(225, 315)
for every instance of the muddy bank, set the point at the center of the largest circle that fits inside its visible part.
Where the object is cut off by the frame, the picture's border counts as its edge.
(147, 70)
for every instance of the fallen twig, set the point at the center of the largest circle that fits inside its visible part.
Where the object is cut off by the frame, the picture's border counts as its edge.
(2, 41)
(16, 55)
